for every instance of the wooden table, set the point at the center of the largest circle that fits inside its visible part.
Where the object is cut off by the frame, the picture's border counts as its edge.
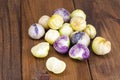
(16, 60)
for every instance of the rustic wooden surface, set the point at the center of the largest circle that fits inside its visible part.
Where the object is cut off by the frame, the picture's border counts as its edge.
(16, 60)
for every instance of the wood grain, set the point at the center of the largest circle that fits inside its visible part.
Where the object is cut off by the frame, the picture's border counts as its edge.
(31, 12)
(16, 60)
(104, 15)
(10, 51)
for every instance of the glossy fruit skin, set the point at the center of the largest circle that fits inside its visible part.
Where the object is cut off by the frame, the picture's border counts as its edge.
(55, 65)
(90, 30)
(101, 46)
(62, 44)
(64, 13)
(55, 21)
(78, 12)
(44, 21)
(79, 52)
(66, 29)
(80, 37)
(51, 36)
(36, 31)
(40, 50)
(78, 23)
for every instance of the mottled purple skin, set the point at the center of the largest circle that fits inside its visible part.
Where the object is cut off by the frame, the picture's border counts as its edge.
(64, 13)
(60, 46)
(76, 36)
(36, 29)
(85, 54)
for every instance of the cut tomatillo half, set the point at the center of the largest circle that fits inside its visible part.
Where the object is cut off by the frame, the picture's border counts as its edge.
(40, 50)
(55, 65)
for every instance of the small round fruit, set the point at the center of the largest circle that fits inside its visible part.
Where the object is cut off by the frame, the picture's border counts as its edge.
(78, 12)
(64, 13)
(40, 50)
(55, 65)
(66, 29)
(51, 36)
(44, 21)
(79, 52)
(80, 37)
(62, 44)
(36, 31)
(55, 21)
(78, 23)
(101, 46)
(90, 30)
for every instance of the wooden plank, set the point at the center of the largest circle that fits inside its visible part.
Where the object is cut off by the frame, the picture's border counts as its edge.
(32, 67)
(10, 59)
(104, 15)
(1, 48)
